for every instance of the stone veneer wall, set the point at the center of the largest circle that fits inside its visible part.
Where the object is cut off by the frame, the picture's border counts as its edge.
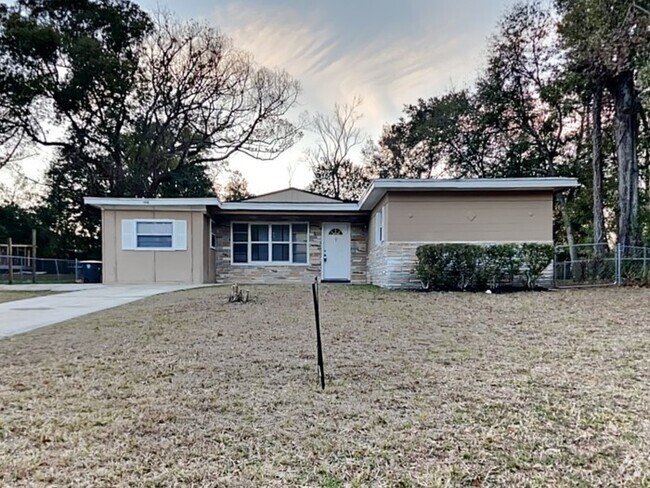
(392, 265)
(359, 253)
(377, 265)
(226, 272)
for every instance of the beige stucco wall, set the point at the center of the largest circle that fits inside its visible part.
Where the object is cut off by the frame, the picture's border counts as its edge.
(413, 219)
(470, 217)
(142, 266)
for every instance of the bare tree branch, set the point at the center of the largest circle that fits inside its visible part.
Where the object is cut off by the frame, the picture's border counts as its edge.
(338, 134)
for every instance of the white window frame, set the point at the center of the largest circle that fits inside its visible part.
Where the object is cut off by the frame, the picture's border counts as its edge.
(380, 227)
(289, 243)
(270, 243)
(251, 243)
(213, 234)
(130, 235)
(154, 221)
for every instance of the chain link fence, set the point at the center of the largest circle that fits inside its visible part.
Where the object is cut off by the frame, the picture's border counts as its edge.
(23, 269)
(582, 265)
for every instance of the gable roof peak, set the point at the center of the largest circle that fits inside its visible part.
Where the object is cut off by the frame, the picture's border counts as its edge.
(292, 195)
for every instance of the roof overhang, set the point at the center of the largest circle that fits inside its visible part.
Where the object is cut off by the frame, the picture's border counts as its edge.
(370, 198)
(378, 188)
(182, 204)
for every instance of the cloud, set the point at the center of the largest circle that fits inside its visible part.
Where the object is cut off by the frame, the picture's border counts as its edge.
(387, 67)
(276, 37)
(391, 53)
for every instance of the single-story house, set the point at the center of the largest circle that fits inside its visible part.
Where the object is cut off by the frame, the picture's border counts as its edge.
(295, 236)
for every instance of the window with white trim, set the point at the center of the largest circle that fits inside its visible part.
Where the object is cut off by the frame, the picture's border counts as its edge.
(272, 243)
(154, 235)
(379, 226)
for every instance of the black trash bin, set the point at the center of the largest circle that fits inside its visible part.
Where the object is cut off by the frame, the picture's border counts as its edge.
(91, 271)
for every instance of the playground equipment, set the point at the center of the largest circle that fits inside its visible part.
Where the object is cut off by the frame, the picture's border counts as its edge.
(18, 259)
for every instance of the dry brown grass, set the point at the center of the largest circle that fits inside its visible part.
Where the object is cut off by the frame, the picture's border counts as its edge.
(532, 389)
(10, 296)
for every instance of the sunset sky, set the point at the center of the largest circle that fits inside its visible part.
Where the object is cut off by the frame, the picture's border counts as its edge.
(387, 51)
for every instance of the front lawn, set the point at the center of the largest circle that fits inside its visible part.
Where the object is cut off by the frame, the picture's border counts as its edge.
(440, 389)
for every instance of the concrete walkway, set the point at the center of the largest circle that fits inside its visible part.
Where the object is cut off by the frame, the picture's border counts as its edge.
(58, 287)
(22, 316)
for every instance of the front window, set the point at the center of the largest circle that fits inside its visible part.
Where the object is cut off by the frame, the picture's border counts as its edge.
(269, 243)
(299, 243)
(240, 243)
(259, 243)
(154, 234)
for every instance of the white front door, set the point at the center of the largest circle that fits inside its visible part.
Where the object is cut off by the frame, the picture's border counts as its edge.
(336, 252)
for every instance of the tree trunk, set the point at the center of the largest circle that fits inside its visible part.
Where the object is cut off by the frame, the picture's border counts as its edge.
(568, 229)
(628, 171)
(645, 174)
(600, 245)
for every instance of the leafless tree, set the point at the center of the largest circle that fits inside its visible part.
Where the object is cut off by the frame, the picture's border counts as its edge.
(192, 80)
(183, 95)
(16, 187)
(292, 167)
(199, 99)
(338, 134)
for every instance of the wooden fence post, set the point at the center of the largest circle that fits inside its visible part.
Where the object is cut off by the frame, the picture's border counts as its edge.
(34, 256)
(11, 261)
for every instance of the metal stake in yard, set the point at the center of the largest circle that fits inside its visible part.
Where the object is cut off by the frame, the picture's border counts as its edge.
(319, 345)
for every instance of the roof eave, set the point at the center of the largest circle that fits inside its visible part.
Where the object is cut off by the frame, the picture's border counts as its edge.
(150, 203)
(370, 198)
(379, 188)
(290, 207)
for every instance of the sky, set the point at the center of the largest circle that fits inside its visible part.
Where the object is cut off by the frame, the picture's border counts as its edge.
(389, 52)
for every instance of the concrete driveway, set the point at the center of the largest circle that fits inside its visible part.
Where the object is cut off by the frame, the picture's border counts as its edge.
(22, 316)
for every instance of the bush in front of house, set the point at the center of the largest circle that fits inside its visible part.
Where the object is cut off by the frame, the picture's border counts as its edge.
(475, 267)
(537, 257)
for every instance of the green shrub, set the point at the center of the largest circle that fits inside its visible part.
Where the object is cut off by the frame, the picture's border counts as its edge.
(537, 257)
(501, 263)
(474, 267)
(448, 266)
(463, 265)
(431, 268)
